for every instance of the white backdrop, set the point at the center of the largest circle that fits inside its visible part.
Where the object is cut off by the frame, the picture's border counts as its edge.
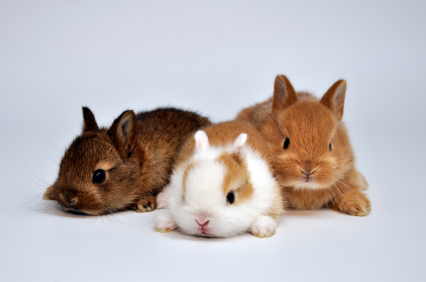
(214, 57)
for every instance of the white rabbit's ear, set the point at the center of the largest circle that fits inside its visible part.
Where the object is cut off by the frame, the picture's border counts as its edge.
(238, 150)
(240, 141)
(201, 141)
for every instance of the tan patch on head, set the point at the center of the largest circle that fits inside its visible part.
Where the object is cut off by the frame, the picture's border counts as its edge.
(105, 165)
(185, 176)
(236, 177)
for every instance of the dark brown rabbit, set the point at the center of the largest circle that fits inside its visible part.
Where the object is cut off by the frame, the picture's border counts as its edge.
(125, 166)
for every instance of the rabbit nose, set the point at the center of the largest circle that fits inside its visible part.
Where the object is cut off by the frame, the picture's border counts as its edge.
(202, 219)
(308, 174)
(308, 167)
(202, 223)
(72, 201)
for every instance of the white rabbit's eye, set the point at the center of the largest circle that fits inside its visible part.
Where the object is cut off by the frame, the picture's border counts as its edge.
(286, 143)
(230, 198)
(329, 146)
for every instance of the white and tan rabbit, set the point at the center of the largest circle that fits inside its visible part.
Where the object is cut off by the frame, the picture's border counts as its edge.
(222, 185)
(312, 154)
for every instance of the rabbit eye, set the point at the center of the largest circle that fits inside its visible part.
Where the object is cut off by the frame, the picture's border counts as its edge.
(329, 146)
(286, 143)
(99, 176)
(230, 198)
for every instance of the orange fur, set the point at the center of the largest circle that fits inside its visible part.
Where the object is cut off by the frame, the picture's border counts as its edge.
(185, 176)
(225, 133)
(236, 176)
(313, 127)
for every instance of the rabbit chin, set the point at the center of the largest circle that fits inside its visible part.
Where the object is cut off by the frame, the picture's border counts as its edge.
(198, 231)
(205, 232)
(209, 231)
(313, 185)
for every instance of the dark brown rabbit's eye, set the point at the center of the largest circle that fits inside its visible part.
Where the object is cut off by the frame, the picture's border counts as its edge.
(286, 143)
(230, 198)
(99, 176)
(329, 146)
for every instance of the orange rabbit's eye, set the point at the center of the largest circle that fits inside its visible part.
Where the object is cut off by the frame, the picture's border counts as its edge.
(329, 146)
(286, 143)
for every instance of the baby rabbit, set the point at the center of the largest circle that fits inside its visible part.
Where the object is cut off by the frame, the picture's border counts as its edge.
(125, 166)
(222, 185)
(312, 154)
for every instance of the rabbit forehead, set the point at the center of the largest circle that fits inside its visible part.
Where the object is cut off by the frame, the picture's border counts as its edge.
(87, 153)
(308, 122)
(203, 181)
(236, 176)
(209, 181)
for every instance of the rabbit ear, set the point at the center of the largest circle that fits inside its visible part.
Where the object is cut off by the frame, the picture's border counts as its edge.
(201, 141)
(238, 147)
(284, 94)
(89, 122)
(334, 98)
(240, 141)
(123, 133)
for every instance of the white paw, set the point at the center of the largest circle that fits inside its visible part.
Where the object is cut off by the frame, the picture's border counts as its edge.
(162, 200)
(264, 227)
(165, 223)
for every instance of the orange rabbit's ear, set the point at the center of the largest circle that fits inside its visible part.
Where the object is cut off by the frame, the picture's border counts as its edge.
(284, 94)
(123, 133)
(334, 99)
(89, 122)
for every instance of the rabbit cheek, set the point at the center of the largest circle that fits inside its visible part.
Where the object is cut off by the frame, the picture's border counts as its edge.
(87, 203)
(325, 173)
(287, 169)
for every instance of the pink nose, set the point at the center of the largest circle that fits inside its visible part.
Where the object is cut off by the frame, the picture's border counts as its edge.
(202, 219)
(203, 223)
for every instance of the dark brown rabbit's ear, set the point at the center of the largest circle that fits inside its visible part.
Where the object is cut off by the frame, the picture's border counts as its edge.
(89, 122)
(48, 195)
(284, 94)
(123, 133)
(334, 98)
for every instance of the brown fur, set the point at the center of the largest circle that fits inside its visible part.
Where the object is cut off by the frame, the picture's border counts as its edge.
(311, 125)
(137, 153)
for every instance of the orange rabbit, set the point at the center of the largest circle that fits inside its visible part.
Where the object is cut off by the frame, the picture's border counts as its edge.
(312, 154)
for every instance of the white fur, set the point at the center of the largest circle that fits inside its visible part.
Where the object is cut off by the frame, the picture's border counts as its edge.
(264, 226)
(240, 141)
(201, 141)
(308, 185)
(204, 194)
(165, 222)
(162, 200)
